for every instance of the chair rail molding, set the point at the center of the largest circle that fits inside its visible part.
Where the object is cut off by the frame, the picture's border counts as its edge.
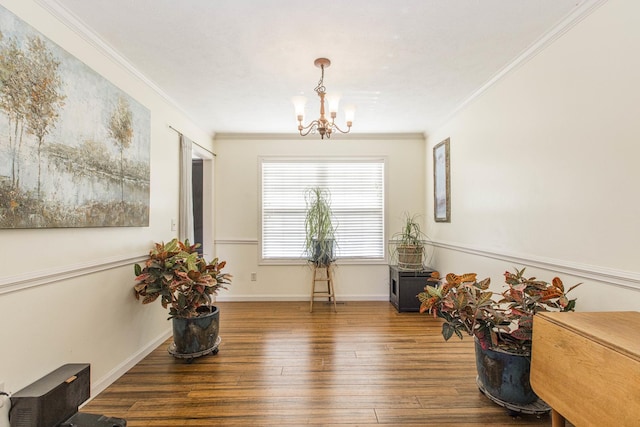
(622, 278)
(236, 241)
(52, 275)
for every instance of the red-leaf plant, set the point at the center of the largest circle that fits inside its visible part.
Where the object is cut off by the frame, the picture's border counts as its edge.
(467, 305)
(181, 278)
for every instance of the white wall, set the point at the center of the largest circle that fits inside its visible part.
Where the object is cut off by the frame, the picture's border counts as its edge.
(83, 308)
(237, 210)
(544, 167)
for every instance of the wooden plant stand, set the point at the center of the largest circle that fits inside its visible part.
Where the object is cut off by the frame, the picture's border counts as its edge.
(322, 273)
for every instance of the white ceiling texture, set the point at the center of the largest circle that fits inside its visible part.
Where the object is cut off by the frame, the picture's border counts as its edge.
(406, 65)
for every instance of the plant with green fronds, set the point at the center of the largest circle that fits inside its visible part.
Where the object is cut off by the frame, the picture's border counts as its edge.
(411, 233)
(407, 245)
(319, 228)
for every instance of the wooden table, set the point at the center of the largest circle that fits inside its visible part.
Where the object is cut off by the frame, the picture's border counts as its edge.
(586, 366)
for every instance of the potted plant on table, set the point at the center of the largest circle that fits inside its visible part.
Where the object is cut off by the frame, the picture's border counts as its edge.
(184, 282)
(407, 245)
(319, 227)
(502, 329)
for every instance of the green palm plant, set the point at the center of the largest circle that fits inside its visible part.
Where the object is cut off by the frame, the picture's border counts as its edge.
(407, 245)
(319, 227)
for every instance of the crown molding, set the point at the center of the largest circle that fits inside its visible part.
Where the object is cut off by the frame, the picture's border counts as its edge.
(570, 21)
(71, 21)
(75, 24)
(338, 138)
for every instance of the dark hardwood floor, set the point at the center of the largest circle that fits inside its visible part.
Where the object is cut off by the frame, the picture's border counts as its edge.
(278, 364)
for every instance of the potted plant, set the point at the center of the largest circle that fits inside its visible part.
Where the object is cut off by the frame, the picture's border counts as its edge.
(407, 245)
(502, 329)
(319, 228)
(184, 282)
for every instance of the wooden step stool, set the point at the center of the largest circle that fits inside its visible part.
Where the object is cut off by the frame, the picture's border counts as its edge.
(323, 276)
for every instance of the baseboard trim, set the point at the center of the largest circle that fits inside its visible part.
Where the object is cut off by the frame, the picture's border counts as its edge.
(622, 278)
(101, 384)
(277, 298)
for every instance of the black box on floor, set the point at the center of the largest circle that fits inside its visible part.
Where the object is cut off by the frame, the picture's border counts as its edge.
(53, 398)
(405, 285)
(93, 420)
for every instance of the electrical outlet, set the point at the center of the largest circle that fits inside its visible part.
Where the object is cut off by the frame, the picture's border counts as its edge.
(254, 277)
(173, 225)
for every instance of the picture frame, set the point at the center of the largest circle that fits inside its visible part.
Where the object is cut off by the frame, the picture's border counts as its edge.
(81, 156)
(441, 182)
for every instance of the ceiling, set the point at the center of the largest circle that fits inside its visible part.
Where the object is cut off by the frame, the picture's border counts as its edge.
(233, 65)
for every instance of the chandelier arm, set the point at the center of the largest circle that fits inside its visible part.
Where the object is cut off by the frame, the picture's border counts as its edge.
(311, 127)
(335, 126)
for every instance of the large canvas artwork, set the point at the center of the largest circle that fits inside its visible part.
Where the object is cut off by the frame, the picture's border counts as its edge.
(74, 149)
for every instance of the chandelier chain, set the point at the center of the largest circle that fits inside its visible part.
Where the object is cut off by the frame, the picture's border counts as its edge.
(320, 87)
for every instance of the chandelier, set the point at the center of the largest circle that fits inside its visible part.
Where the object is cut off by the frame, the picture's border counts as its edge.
(323, 125)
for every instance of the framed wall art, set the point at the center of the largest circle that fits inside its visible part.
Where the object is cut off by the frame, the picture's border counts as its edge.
(441, 182)
(74, 148)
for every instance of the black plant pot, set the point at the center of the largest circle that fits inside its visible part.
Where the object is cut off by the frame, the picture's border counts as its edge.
(196, 335)
(323, 252)
(504, 376)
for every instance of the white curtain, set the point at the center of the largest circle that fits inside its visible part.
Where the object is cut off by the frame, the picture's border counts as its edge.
(185, 219)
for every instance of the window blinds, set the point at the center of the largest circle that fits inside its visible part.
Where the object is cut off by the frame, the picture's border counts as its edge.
(357, 202)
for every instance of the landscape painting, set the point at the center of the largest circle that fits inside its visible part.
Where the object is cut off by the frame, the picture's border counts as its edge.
(74, 148)
(441, 182)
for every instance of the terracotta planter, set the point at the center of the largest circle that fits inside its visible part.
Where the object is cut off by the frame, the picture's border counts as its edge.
(196, 334)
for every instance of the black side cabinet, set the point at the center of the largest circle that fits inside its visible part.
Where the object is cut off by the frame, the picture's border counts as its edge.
(405, 285)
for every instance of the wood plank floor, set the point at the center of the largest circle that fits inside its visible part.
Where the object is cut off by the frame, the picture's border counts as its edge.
(278, 364)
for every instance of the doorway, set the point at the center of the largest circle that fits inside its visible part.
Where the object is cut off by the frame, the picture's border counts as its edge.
(202, 197)
(197, 186)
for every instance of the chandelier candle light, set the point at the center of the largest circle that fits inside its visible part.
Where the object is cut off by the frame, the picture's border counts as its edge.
(324, 126)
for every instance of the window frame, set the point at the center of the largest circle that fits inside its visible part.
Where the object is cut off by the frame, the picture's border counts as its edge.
(329, 159)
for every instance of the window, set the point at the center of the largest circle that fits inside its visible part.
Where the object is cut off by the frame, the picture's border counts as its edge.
(357, 202)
